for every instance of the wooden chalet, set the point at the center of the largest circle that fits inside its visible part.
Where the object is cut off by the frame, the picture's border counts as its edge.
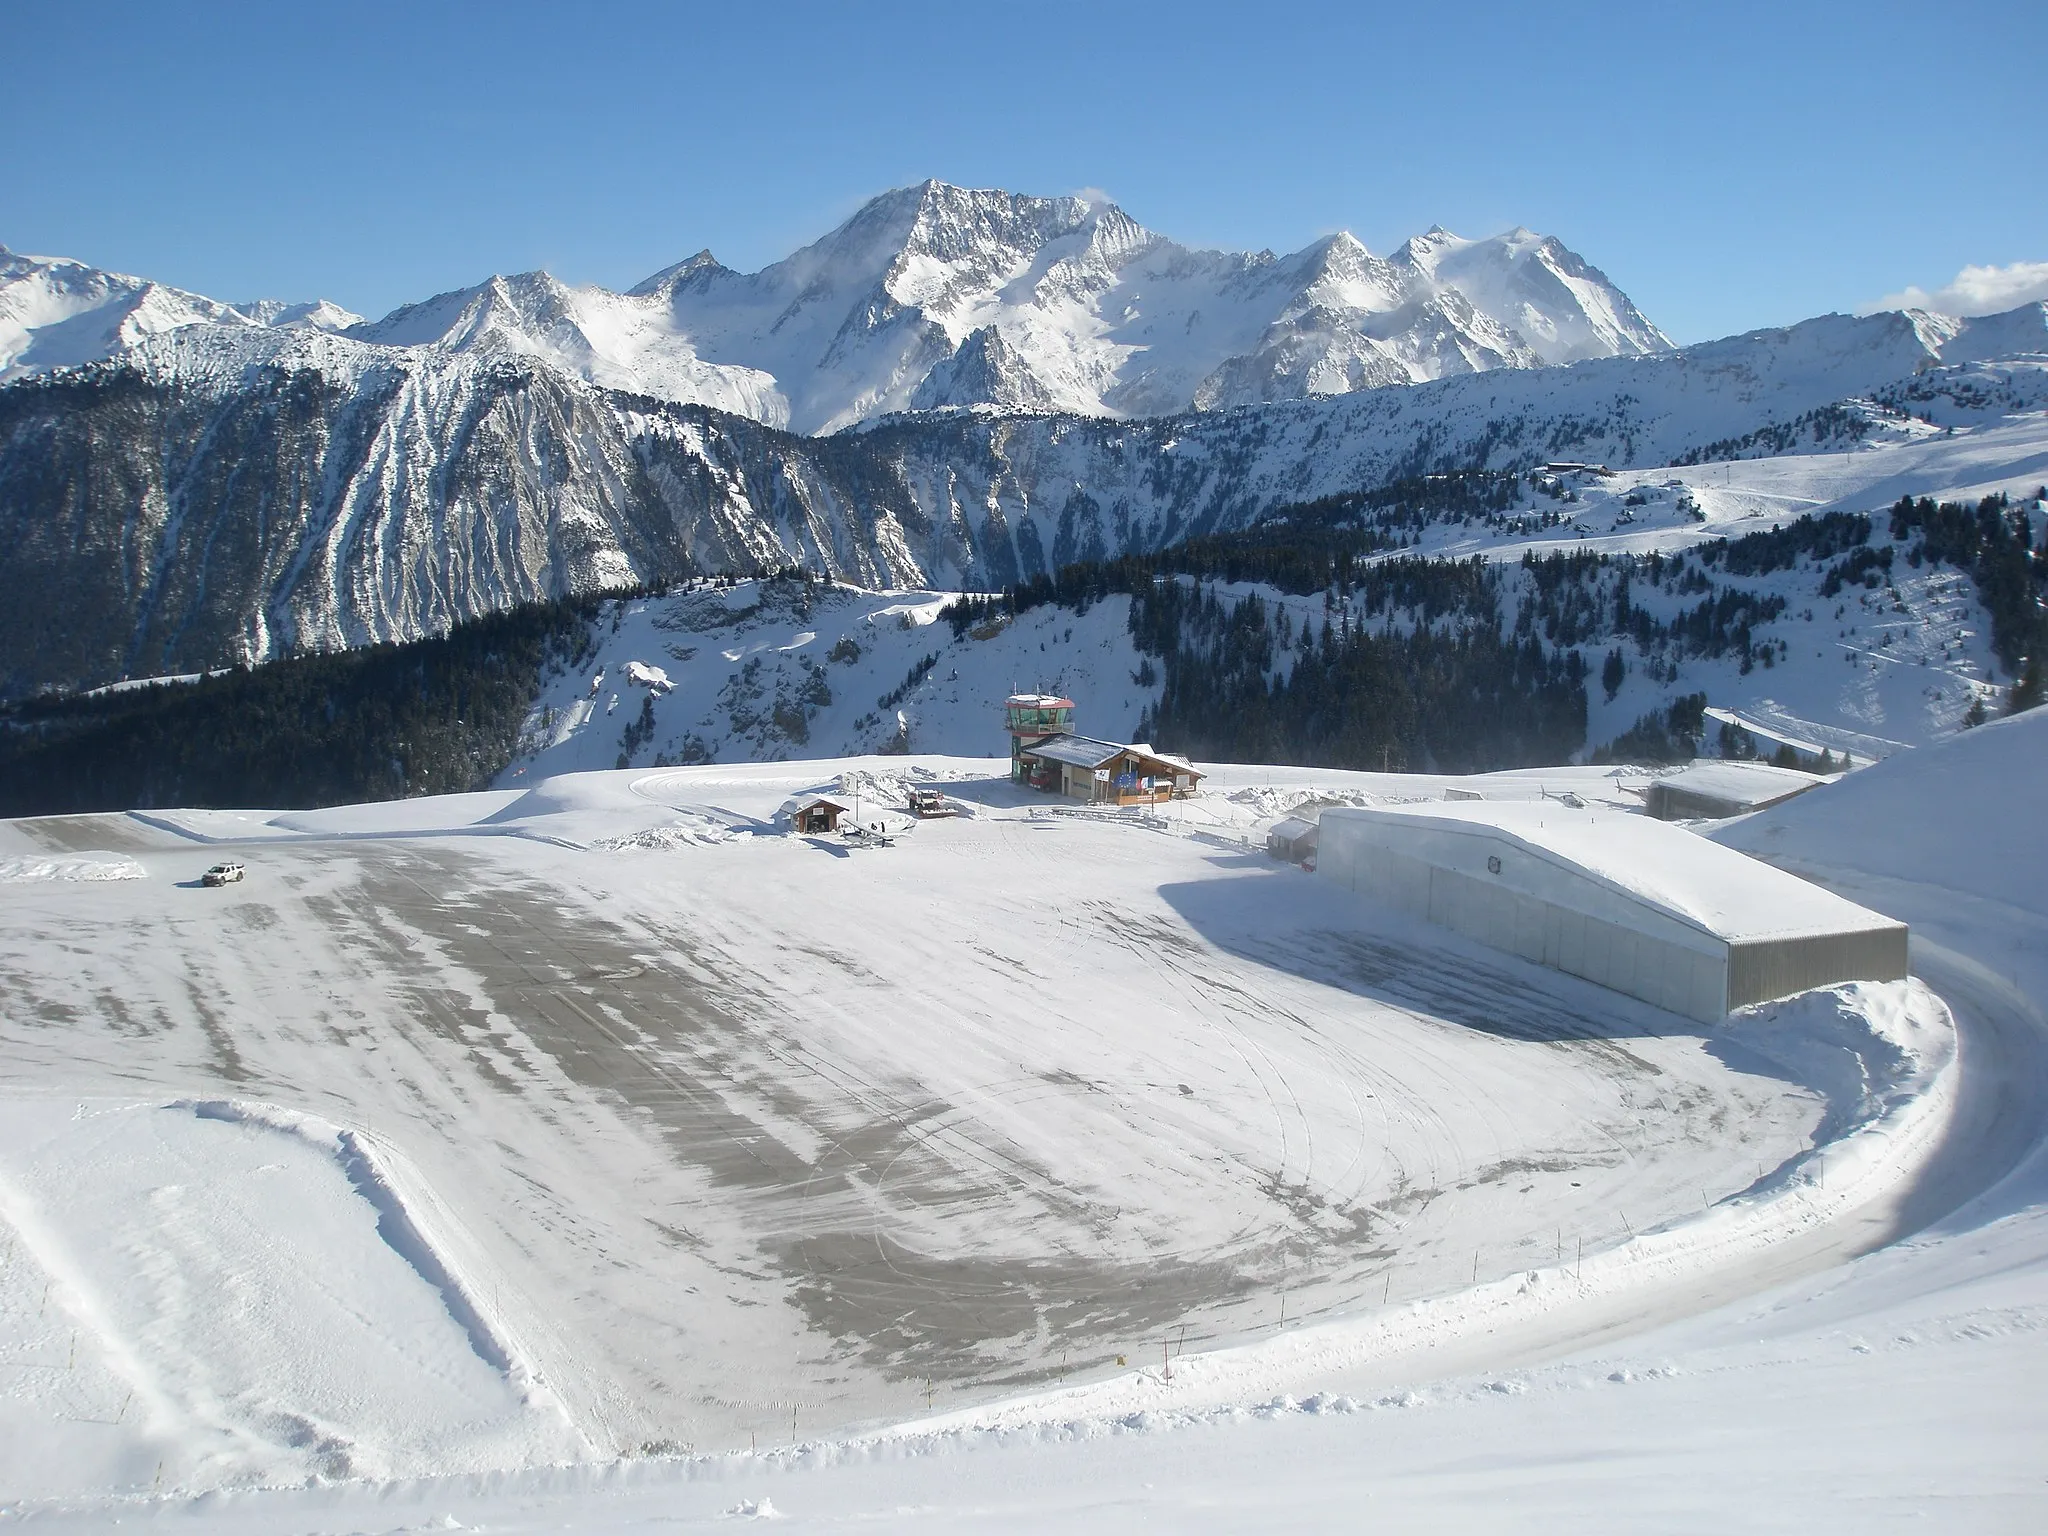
(809, 815)
(1105, 772)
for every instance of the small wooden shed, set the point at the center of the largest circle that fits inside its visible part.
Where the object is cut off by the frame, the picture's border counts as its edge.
(1293, 838)
(812, 814)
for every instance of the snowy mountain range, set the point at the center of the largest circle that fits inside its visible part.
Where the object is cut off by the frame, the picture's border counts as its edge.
(186, 484)
(937, 296)
(228, 493)
(56, 313)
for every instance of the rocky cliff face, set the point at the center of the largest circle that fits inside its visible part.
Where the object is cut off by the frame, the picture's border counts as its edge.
(195, 505)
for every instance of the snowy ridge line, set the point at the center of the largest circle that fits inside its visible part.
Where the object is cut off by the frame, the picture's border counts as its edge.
(411, 1220)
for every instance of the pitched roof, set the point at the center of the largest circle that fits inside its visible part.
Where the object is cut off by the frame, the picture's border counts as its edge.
(1079, 751)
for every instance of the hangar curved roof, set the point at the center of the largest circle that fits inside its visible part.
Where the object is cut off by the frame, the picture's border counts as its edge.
(1701, 884)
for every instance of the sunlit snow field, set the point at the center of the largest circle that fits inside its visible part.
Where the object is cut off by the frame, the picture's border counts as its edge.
(607, 1120)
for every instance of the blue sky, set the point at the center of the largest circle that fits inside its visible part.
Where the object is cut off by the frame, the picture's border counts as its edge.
(1729, 166)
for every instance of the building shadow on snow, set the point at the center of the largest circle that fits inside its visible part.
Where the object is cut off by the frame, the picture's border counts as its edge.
(1324, 933)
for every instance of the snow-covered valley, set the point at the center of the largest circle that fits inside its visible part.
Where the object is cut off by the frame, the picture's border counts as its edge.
(224, 490)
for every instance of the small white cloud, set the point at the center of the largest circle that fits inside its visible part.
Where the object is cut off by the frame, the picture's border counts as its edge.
(1976, 291)
(1094, 197)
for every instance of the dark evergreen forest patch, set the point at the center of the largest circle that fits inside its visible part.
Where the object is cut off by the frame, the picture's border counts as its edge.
(431, 717)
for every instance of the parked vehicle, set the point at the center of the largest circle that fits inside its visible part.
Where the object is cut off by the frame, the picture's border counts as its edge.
(222, 874)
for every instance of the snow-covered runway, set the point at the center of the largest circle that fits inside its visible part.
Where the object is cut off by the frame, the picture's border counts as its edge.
(755, 1136)
(719, 1141)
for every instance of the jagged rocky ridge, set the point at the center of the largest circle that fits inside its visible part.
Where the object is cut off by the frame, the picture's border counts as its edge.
(202, 501)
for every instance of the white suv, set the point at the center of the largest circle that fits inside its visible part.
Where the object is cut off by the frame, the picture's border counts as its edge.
(222, 874)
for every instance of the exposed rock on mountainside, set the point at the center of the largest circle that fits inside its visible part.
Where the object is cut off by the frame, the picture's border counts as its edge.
(229, 495)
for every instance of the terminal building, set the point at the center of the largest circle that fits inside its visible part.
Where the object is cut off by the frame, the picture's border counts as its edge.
(1648, 909)
(1047, 754)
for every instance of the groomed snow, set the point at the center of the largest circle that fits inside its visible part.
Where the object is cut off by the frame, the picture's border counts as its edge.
(725, 1134)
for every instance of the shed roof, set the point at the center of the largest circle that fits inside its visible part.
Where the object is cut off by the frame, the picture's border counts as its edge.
(1290, 827)
(1740, 783)
(1700, 883)
(797, 803)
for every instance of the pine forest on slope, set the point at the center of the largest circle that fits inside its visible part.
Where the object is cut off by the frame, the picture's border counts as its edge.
(1308, 639)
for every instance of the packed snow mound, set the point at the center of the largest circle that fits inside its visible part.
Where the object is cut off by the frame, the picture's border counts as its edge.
(1961, 814)
(24, 870)
(684, 832)
(1870, 1048)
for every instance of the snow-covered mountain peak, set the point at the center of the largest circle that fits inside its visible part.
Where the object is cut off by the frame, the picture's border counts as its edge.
(59, 313)
(1057, 303)
(696, 267)
(320, 315)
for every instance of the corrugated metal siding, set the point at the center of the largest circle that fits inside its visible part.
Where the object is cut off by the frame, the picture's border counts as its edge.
(1779, 967)
(1699, 982)
(1669, 803)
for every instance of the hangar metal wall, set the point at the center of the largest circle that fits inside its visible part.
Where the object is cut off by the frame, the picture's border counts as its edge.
(1778, 967)
(1650, 956)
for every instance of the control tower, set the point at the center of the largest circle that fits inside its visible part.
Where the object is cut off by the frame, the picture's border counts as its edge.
(1031, 718)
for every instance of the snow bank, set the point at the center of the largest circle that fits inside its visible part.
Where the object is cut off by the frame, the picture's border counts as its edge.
(99, 866)
(1865, 1045)
(692, 832)
(1962, 814)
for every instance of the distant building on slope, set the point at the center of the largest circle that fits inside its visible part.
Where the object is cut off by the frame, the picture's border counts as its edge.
(1647, 909)
(1293, 839)
(1712, 790)
(1047, 754)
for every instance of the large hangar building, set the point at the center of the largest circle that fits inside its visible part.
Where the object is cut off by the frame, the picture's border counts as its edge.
(1634, 904)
